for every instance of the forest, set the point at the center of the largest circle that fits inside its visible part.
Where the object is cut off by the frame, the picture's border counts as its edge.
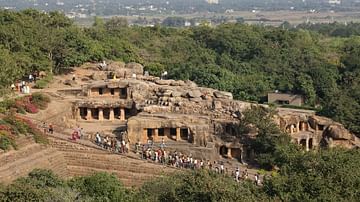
(247, 60)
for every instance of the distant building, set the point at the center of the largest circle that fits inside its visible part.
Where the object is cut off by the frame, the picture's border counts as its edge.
(338, 2)
(212, 1)
(285, 98)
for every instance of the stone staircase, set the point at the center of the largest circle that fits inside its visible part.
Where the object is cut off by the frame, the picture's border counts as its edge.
(18, 163)
(83, 160)
(185, 148)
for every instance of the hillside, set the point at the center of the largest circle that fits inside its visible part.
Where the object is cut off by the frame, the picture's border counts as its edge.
(248, 61)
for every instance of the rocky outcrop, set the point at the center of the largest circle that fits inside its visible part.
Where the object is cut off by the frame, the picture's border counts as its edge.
(338, 132)
(99, 76)
(223, 95)
(135, 68)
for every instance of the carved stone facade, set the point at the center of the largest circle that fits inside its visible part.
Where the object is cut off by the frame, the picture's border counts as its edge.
(180, 111)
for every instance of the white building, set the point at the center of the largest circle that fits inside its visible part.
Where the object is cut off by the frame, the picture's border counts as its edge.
(212, 1)
(338, 2)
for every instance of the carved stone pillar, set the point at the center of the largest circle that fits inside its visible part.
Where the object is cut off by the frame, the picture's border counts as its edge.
(307, 144)
(89, 114)
(297, 127)
(291, 129)
(122, 114)
(101, 114)
(229, 153)
(112, 114)
(178, 135)
(156, 134)
(78, 114)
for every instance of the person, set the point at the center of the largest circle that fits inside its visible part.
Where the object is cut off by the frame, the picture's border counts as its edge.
(257, 179)
(209, 165)
(162, 145)
(105, 144)
(245, 174)
(97, 139)
(44, 127)
(75, 135)
(31, 78)
(12, 87)
(137, 146)
(123, 144)
(222, 168)
(237, 174)
(81, 132)
(51, 129)
(118, 146)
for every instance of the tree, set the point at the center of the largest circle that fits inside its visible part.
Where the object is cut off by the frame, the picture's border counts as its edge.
(174, 22)
(100, 186)
(116, 23)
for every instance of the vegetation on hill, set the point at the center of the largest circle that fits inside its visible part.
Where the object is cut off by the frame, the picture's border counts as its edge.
(12, 125)
(247, 60)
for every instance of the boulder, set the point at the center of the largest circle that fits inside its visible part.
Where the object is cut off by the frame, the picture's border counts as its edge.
(217, 105)
(167, 93)
(176, 94)
(223, 95)
(70, 82)
(190, 84)
(177, 83)
(338, 132)
(135, 68)
(99, 76)
(194, 94)
(163, 82)
(114, 66)
(196, 99)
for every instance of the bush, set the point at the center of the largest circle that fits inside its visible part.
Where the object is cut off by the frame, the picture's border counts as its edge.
(39, 137)
(101, 186)
(31, 108)
(41, 178)
(41, 84)
(6, 142)
(18, 127)
(40, 100)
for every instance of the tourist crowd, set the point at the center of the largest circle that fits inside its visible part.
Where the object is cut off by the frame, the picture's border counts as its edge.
(159, 154)
(112, 144)
(180, 160)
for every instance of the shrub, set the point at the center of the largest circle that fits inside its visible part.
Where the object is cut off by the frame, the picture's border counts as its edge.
(101, 186)
(41, 84)
(6, 141)
(18, 127)
(31, 108)
(41, 178)
(40, 100)
(40, 137)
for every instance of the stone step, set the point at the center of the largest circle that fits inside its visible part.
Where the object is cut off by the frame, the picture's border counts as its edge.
(22, 141)
(14, 155)
(47, 158)
(24, 160)
(127, 178)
